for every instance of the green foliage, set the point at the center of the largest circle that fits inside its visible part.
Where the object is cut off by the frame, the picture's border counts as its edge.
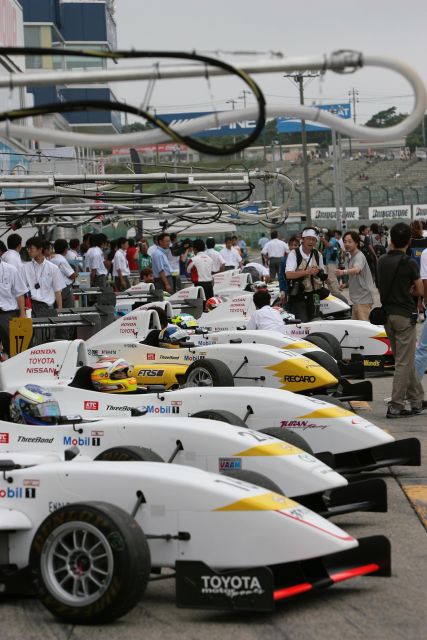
(386, 118)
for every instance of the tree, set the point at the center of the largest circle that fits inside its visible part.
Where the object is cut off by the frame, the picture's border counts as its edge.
(386, 118)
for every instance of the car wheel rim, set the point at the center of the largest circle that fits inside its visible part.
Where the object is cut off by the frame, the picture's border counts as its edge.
(77, 564)
(200, 377)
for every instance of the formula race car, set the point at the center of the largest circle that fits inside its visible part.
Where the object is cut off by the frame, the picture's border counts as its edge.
(89, 558)
(302, 368)
(205, 444)
(356, 444)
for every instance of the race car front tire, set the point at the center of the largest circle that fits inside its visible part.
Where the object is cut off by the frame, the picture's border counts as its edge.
(222, 415)
(129, 453)
(289, 437)
(332, 341)
(208, 373)
(253, 477)
(326, 361)
(319, 341)
(91, 562)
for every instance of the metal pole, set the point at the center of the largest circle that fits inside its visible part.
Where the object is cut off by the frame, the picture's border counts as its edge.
(300, 80)
(335, 167)
(341, 189)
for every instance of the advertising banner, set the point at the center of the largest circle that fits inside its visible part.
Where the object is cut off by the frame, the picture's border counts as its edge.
(390, 213)
(419, 211)
(293, 125)
(330, 213)
(243, 127)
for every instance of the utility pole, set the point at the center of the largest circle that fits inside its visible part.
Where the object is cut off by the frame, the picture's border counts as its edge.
(299, 79)
(233, 103)
(243, 96)
(353, 94)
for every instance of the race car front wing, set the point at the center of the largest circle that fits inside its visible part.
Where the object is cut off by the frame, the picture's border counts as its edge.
(260, 588)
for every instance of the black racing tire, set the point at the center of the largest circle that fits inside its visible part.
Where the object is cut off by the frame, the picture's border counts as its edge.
(332, 341)
(326, 361)
(253, 477)
(129, 453)
(222, 415)
(321, 343)
(290, 437)
(109, 583)
(208, 373)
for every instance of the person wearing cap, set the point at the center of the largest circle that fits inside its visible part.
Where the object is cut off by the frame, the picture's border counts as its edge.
(305, 275)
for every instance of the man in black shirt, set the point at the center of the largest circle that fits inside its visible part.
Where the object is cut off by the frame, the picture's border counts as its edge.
(400, 284)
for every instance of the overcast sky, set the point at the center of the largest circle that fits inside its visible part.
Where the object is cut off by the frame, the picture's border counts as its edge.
(396, 28)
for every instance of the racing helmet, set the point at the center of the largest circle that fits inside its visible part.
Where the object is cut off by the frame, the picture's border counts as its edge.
(112, 376)
(185, 321)
(33, 405)
(212, 303)
(171, 335)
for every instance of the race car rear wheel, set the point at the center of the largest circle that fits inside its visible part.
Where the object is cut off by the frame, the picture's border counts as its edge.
(91, 561)
(222, 415)
(288, 436)
(253, 477)
(320, 342)
(129, 454)
(208, 373)
(332, 341)
(326, 361)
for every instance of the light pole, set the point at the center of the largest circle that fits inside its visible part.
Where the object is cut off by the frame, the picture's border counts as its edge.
(353, 94)
(299, 79)
(233, 103)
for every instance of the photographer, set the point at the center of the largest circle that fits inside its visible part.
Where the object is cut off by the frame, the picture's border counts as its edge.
(305, 275)
(399, 281)
(360, 285)
(178, 253)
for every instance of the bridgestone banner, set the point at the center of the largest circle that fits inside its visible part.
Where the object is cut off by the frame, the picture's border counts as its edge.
(390, 213)
(419, 211)
(330, 213)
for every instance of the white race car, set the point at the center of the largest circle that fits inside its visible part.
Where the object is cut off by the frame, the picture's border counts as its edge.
(356, 443)
(205, 444)
(85, 536)
(250, 359)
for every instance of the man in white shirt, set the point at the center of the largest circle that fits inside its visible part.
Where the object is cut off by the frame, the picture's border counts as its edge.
(12, 299)
(232, 258)
(274, 250)
(12, 255)
(61, 248)
(265, 318)
(262, 273)
(305, 275)
(153, 247)
(121, 269)
(94, 261)
(215, 256)
(44, 281)
(200, 268)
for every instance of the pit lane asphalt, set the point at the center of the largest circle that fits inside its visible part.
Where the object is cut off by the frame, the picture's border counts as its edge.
(365, 608)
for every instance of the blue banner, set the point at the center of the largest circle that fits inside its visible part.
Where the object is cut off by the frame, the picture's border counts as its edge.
(240, 128)
(293, 125)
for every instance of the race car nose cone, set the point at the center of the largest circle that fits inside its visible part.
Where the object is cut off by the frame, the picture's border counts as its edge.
(302, 374)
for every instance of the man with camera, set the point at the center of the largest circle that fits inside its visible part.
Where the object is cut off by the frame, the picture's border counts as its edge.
(400, 285)
(305, 275)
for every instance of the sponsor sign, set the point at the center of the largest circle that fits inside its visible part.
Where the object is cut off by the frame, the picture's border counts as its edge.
(301, 424)
(299, 378)
(151, 356)
(18, 492)
(35, 440)
(32, 482)
(154, 373)
(147, 408)
(225, 464)
(91, 405)
(419, 211)
(330, 213)
(242, 127)
(69, 441)
(390, 213)
(4, 438)
(293, 125)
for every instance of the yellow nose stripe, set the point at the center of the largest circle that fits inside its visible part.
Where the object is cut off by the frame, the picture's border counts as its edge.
(303, 344)
(329, 412)
(274, 449)
(263, 502)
